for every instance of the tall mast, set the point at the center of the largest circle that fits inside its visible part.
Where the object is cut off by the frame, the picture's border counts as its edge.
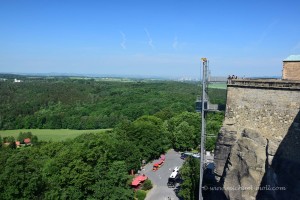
(203, 110)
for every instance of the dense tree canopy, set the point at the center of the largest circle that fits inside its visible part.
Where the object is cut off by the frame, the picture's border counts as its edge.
(146, 131)
(184, 130)
(148, 118)
(86, 167)
(94, 166)
(190, 173)
(89, 104)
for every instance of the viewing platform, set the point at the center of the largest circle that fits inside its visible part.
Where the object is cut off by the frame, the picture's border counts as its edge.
(264, 83)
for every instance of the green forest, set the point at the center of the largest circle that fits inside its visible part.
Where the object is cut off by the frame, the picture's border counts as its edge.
(146, 119)
(89, 104)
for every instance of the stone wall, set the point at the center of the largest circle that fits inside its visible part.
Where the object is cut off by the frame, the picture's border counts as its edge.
(291, 70)
(262, 126)
(269, 111)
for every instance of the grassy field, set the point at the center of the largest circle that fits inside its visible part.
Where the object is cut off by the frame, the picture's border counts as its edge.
(218, 85)
(50, 134)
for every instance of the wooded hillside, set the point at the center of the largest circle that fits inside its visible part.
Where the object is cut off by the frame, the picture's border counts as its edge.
(88, 104)
(147, 119)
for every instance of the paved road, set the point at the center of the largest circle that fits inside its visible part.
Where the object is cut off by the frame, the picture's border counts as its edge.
(160, 177)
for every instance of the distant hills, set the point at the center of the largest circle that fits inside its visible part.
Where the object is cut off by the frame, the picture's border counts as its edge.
(119, 76)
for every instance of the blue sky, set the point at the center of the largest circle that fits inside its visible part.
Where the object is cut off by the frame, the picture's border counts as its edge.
(148, 37)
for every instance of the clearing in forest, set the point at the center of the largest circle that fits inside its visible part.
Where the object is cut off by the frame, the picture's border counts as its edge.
(50, 134)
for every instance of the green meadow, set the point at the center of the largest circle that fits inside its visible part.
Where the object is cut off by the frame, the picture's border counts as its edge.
(50, 134)
(218, 85)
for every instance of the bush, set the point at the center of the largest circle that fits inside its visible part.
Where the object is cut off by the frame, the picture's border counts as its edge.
(24, 135)
(140, 194)
(147, 185)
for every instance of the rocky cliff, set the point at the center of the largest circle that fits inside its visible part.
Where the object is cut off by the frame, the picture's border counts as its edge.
(257, 155)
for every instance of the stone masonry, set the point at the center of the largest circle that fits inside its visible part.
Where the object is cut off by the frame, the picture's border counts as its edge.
(291, 70)
(261, 131)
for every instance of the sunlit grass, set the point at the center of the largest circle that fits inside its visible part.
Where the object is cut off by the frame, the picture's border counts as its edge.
(218, 85)
(50, 134)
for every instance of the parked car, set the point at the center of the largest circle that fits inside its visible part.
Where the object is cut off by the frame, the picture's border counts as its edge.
(185, 154)
(196, 155)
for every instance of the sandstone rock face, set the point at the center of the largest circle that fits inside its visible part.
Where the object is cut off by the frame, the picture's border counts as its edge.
(257, 154)
(247, 167)
(226, 139)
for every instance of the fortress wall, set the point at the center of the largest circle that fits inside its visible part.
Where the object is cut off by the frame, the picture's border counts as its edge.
(259, 142)
(270, 111)
(291, 70)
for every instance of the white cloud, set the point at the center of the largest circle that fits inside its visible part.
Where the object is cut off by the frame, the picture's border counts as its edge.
(296, 48)
(260, 37)
(266, 32)
(150, 41)
(123, 40)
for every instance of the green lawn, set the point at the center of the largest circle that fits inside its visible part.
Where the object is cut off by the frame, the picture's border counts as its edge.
(218, 85)
(50, 134)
